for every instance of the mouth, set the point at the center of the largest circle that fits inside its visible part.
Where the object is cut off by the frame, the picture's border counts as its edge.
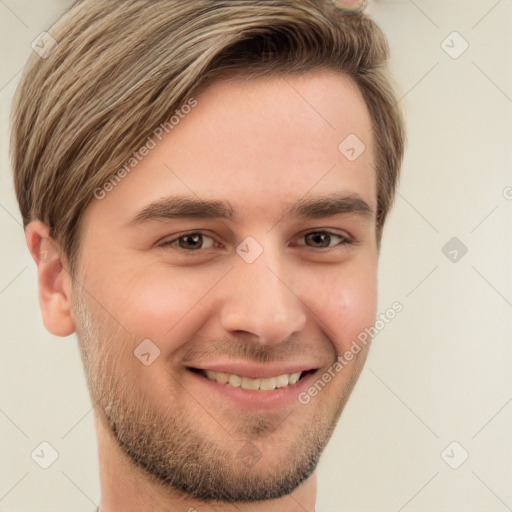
(263, 384)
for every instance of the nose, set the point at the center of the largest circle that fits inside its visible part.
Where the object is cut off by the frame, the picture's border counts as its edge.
(260, 300)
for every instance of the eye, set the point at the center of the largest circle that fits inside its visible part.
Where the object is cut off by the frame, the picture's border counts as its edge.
(191, 242)
(324, 240)
(195, 241)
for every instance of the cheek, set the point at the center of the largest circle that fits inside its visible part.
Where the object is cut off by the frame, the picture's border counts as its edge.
(348, 305)
(154, 303)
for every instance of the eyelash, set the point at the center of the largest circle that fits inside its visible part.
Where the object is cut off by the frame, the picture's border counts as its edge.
(345, 240)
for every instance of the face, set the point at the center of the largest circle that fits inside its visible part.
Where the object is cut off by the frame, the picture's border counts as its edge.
(242, 248)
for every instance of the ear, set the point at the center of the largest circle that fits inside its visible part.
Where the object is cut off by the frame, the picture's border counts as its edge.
(54, 281)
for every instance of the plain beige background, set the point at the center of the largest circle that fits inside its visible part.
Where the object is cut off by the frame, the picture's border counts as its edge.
(437, 386)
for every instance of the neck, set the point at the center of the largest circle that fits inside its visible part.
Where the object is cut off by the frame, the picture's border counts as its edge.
(125, 488)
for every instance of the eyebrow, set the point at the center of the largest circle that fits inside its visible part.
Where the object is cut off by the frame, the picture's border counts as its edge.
(184, 207)
(331, 204)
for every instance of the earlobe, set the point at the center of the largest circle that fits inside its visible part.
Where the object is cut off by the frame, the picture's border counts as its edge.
(54, 281)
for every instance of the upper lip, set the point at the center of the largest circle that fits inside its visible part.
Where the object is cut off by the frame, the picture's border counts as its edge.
(253, 371)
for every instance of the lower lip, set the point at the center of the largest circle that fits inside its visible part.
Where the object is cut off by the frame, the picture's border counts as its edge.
(277, 399)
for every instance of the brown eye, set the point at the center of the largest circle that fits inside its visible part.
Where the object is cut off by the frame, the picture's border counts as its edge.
(193, 242)
(190, 242)
(324, 239)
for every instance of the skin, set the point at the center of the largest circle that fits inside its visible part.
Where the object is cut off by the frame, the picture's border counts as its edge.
(261, 145)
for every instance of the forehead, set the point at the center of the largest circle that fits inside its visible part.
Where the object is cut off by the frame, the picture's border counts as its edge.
(294, 117)
(259, 143)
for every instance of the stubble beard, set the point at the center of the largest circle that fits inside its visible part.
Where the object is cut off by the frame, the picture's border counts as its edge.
(170, 448)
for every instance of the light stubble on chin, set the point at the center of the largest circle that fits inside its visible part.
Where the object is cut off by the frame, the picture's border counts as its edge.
(170, 447)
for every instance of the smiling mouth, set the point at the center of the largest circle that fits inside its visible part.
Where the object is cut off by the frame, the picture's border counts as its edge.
(261, 384)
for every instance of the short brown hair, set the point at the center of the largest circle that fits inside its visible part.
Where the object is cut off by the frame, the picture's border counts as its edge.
(122, 67)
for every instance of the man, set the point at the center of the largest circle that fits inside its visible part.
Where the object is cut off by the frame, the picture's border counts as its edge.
(204, 186)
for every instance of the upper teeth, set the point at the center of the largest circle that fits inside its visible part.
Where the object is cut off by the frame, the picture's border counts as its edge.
(268, 384)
